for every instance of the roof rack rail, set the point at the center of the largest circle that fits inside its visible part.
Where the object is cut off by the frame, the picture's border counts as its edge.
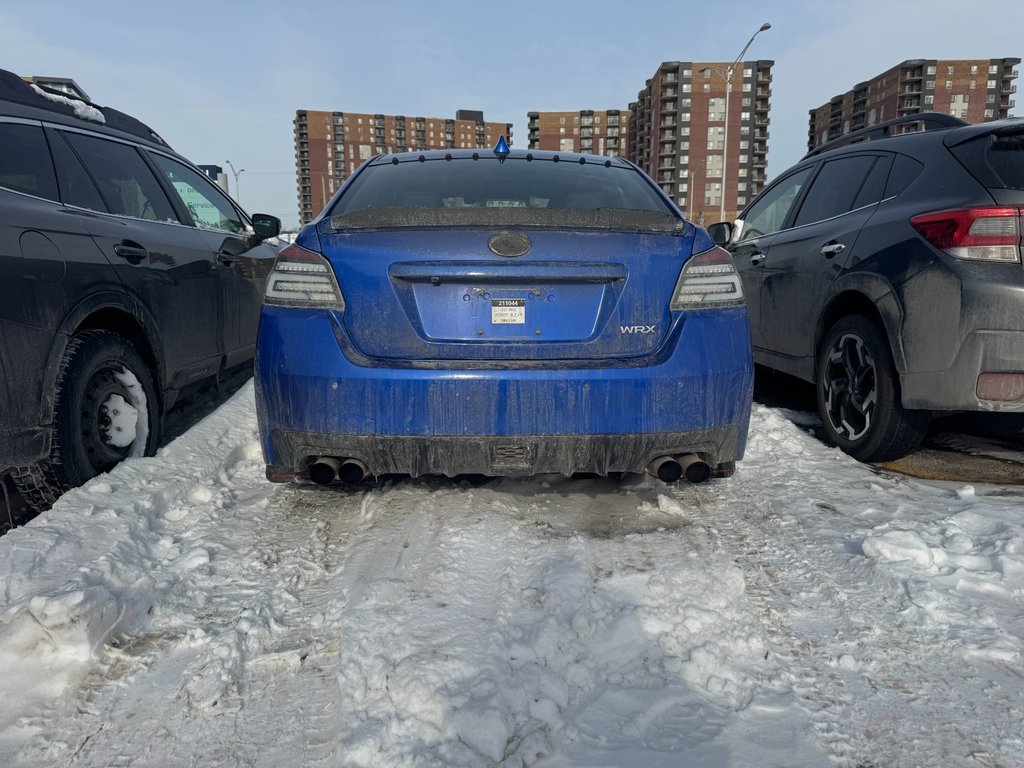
(931, 121)
(14, 88)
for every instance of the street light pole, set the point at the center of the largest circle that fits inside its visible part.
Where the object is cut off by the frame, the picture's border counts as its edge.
(728, 91)
(238, 195)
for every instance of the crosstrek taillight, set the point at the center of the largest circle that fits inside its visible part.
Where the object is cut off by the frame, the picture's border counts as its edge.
(708, 280)
(978, 234)
(302, 278)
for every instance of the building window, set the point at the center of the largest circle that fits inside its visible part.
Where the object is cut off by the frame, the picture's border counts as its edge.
(712, 193)
(930, 71)
(561, 120)
(949, 84)
(707, 74)
(929, 85)
(687, 72)
(974, 84)
(716, 110)
(929, 99)
(748, 72)
(992, 69)
(974, 69)
(746, 88)
(716, 138)
(684, 117)
(713, 167)
(686, 88)
(741, 199)
(991, 83)
(707, 87)
(988, 113)
(990, 98)
(746, 101)
(949, 69)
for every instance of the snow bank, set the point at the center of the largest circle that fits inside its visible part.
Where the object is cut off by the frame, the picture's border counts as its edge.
(807, 611)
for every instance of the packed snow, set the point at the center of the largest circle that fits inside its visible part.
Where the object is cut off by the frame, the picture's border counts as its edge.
(809, 611)
(82, 109)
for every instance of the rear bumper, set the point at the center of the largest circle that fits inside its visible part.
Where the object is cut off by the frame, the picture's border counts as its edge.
(312, 400)
(500, 456)
(955, 388)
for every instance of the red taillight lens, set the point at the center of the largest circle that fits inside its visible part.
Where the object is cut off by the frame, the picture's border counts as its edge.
(979, 234)
(708, 279)
(302, 278)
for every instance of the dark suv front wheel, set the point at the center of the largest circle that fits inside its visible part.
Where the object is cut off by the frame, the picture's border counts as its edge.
(106, 411)
(858, 394)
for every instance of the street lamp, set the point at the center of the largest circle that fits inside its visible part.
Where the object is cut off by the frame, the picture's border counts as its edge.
(238, 196)
(728, 90)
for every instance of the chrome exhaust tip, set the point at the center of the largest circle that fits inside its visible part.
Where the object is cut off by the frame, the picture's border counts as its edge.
(324, 470)
(352, 471)
(694, 468)
(665, 468)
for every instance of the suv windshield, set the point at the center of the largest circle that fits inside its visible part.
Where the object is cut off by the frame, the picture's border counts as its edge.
(486, 183)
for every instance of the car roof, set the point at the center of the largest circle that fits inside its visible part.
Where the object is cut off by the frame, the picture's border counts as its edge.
(33, 102)
(515, 154)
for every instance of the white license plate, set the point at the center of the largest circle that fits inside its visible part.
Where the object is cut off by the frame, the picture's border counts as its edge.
(508, 311)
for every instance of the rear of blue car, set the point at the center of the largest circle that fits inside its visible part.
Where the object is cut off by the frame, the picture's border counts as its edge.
(457, 313)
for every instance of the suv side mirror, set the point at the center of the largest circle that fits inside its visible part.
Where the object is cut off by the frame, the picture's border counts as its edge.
(265, 226)
(721, 233)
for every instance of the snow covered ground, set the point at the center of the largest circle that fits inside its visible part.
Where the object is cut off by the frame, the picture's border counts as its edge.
(809, 611)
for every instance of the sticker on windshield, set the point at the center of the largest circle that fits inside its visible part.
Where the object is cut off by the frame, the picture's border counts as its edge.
(508, 311)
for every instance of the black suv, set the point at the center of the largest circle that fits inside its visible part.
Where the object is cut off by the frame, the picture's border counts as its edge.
(885, 267)
(125, 276)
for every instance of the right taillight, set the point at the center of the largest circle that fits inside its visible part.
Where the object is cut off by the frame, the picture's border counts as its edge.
(978, 234)
(708, 280)
(302, 278)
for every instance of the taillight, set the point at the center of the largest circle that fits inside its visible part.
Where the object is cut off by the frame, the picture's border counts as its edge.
(979, 234)
(708, 279)
(302, 278)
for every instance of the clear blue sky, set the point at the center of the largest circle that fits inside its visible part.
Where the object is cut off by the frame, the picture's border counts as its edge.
(222, 81)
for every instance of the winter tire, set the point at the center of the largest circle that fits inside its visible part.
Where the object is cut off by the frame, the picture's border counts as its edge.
(858, 394)
(105, 410)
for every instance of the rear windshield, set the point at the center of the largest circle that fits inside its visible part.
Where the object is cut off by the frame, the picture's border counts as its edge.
(464, 184)
(997, 160)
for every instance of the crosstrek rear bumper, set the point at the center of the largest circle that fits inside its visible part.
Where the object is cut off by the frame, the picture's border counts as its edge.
(956, 388)
(506, 418)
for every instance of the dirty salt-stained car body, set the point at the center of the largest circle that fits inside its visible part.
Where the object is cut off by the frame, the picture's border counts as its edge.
(502, 313)
(886, 268)
(125, 277)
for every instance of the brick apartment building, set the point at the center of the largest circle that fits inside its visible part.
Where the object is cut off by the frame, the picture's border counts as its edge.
(597, 132)
(678, 134)
(331, 145)
(975, 90)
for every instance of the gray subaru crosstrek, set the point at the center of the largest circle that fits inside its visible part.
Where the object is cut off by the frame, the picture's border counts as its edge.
(886, 268)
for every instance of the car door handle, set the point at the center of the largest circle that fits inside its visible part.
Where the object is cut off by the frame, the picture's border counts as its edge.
(131, 252)
(831, 249)
(225, 258)
(757, 258)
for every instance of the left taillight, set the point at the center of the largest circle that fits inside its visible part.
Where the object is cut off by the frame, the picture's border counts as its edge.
(302, 278)
(975, 234)
(708, 280)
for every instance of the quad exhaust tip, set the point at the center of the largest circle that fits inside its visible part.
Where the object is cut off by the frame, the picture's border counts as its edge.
(668, 469)
(326, 469)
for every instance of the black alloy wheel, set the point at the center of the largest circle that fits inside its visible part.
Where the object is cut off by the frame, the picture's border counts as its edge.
(858, 394)
(106, 410)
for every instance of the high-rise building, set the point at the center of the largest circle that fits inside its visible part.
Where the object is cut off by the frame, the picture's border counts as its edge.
(598, 132)
(62, 84)
(680, 136)
(975, 90)
(331, 145)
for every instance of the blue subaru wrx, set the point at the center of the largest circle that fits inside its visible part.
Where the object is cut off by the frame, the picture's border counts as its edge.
(505, 313)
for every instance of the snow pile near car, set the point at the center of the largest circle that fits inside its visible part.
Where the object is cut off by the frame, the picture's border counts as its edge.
(181, 610)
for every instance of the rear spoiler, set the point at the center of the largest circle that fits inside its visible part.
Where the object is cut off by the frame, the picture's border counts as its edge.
(1004, 127)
